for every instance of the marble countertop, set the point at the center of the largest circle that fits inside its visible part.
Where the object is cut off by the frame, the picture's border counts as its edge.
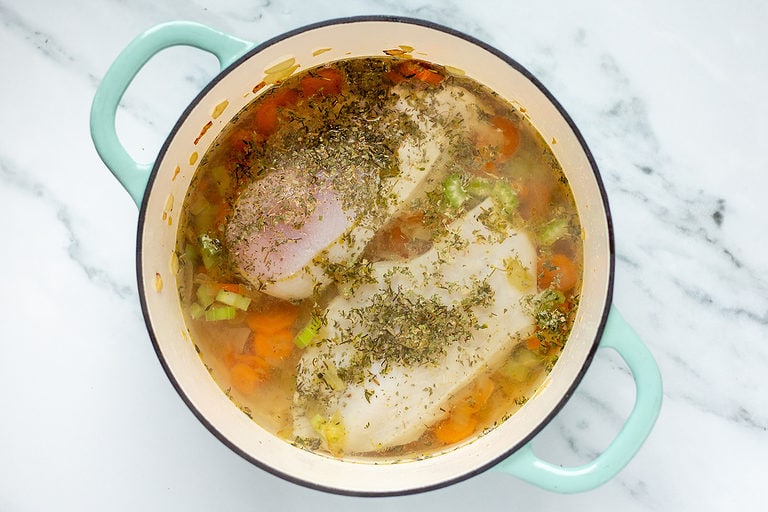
(668, 95)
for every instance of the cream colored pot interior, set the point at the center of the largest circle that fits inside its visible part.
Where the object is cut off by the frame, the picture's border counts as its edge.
(164, 199)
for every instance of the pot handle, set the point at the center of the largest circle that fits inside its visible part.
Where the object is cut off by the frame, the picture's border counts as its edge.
(525, 465)
(131, 174)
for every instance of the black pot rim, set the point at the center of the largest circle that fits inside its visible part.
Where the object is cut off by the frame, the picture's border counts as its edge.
(470, 39)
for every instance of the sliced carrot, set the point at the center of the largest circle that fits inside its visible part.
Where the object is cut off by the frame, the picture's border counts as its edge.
(254, 361)
(267, 118)
(533, 343)
(274, 319)
(245, 378)
(274, 346)
(477, 397)
(326, 82)
(456, 427)
(273, 332)
(498, 140)
(233, 287)
(462, 421)
(394, 76)
(240, 139)
(231, 358)
(285, 97)
(510, 136)
(558, 270)
(409, 68)
(414, 69)
(429, 76)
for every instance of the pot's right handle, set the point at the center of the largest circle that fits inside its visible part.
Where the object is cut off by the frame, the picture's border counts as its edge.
(619, 336)
(131, 174)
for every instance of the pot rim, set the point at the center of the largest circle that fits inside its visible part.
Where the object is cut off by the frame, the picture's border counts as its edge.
(503, 453)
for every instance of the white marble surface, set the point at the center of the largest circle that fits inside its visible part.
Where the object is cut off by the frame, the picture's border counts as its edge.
(669, 96)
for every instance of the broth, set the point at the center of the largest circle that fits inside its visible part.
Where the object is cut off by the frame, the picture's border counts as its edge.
(379, 258)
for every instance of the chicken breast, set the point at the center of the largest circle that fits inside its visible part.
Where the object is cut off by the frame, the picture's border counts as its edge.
(464, 317)
(290, 225)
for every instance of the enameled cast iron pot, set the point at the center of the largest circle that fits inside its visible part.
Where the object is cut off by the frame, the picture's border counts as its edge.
(160, 189)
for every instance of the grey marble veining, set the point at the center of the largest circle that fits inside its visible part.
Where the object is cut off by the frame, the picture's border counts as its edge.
(669, 97)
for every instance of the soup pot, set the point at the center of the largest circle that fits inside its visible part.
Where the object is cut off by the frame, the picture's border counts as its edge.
(160, 188)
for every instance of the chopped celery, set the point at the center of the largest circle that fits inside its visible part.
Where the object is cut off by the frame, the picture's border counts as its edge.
(553, 231)
(546, 310)
(457, 193)
(505, 196)
(308, 333)
(220, 313)
(334, 431)
(527, 358)
(233, 299)
(547, 301)
(317, 422)
(521, 365)
(453, 191)
(515, 371)
(206, 294)
(479, 187)
(196, 311)
(331, 429)
(210, 250)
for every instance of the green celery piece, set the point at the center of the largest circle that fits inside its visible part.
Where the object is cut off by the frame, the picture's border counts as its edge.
(505, 196)
(479, 187)
(331, 429)
(210, 250)
(215, 313)
(233, 299)
(308, 333)
(453, 191)
(515, 371)
(553, 231)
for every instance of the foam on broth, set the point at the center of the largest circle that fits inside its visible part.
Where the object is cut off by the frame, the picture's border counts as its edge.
(358, 174)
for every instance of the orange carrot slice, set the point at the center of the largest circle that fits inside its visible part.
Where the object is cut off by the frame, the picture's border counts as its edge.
(559, 270)
(244, 378)
(456, 427)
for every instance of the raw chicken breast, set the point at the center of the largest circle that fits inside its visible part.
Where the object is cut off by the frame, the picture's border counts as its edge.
(397, 402)
(289, 225)
(281, 223)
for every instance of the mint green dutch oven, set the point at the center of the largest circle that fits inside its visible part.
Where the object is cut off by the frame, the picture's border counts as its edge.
(159, 190)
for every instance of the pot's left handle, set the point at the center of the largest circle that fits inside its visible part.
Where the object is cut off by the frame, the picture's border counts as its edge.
(131, 174)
